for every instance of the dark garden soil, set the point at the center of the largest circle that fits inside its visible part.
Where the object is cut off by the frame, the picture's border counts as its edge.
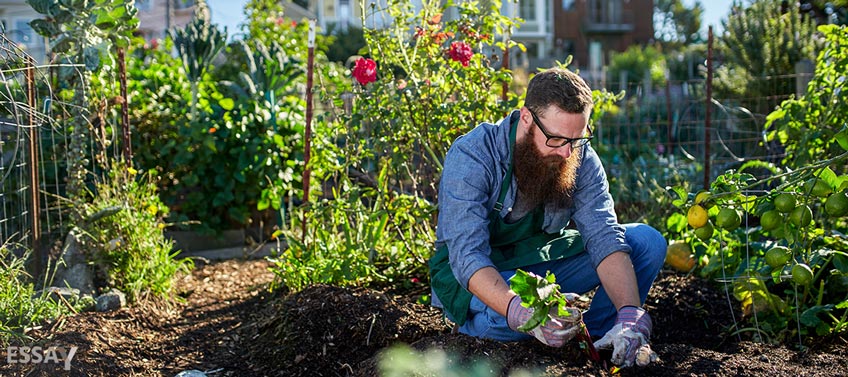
(230, 325)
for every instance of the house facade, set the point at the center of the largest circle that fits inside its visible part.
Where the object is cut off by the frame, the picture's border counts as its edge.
(588, 30)
(14, 22)
(591, 30)
(156, 17)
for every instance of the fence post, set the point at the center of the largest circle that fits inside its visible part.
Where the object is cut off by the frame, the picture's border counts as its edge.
(707, 127)
(669, 142)
(125, 116)
(35, 209)
(307, 139)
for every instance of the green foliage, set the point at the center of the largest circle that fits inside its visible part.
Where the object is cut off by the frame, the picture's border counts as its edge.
(198, 44)
(809, 292)
(244, 146)
(21, 307)
(345, 43)
(810, 127)
(401, 361)
(122, 232)
(637, 62)
(358, 236)
(423, 99)
(540, 294)
(677, 25)
(82, 33)
(759, 42)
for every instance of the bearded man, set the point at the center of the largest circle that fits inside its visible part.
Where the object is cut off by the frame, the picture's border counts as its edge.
(530, 193)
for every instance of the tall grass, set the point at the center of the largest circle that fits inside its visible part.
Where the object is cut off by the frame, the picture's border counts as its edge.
(20, 306)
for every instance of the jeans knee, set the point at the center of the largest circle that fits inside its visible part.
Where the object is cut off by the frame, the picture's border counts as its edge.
(647, 242)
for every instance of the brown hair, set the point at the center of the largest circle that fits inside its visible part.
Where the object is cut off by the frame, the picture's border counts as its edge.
(560, 87)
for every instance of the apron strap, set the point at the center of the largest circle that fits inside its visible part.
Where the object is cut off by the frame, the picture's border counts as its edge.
(507, 181)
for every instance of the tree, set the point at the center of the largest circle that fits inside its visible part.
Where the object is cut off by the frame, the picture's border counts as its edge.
(676, 24)
(760, 43)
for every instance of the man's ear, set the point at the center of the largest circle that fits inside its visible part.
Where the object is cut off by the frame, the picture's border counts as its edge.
(524, 117)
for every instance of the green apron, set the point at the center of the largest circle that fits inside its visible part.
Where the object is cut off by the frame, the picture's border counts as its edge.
(514, 245)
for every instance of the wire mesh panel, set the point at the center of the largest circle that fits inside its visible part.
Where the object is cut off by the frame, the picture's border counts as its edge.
(31, 151)
(16, 216)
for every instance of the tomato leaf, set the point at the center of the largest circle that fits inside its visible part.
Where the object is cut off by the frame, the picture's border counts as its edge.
(842, 138)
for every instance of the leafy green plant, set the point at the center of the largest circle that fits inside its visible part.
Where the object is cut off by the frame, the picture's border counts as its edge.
(243, 150)
(636, 63)
(359, 236)
(198, 44)
(21, 307)
(543, 296)
(122, 233)
(780, 240)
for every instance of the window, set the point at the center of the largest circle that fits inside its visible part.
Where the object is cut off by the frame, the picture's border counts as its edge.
(344, 14)
(527, 10)
(567, 5)
(605, 11)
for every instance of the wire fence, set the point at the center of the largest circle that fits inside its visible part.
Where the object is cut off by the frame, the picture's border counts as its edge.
(673, 134)
(660, 136)
(32, 155)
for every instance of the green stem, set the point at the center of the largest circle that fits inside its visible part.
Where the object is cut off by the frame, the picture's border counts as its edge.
(818, 165)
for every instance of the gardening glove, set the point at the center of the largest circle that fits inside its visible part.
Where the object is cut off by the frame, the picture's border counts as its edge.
(555, 332)
(629, 338)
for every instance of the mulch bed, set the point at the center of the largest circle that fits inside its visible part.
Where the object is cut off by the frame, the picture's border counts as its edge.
(231, 325)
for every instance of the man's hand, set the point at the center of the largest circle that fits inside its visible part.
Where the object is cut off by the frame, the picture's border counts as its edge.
(629, 338)
(555, 332)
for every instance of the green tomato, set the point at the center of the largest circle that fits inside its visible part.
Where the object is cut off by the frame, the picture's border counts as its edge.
(802, 274)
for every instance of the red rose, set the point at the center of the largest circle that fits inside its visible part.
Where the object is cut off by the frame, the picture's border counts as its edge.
(461, 52)
(365, 71)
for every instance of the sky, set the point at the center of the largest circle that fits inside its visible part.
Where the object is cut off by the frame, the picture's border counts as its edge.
(230, 13)
(714, 12)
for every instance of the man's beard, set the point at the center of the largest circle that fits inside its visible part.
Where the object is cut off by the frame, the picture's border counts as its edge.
(545, 179)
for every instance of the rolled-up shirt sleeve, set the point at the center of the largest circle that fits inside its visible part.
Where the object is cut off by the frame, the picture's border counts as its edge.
(594, 214)
(468, 180)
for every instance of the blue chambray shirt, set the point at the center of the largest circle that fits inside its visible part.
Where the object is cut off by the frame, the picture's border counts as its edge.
(474, 169)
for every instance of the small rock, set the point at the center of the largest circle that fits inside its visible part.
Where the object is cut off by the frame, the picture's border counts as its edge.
(112, 300)
(191, 373)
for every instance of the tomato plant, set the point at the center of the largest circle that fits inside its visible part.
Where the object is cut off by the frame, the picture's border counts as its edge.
(781, 242)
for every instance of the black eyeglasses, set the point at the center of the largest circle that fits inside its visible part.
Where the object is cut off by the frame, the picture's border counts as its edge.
(559, 141)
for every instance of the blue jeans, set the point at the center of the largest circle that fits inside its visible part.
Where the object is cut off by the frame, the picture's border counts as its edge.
(575, 274)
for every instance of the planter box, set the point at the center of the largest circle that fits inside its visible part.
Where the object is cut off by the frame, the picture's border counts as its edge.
(230, 244)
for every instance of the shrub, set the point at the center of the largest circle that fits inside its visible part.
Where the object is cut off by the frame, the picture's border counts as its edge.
(122, 232)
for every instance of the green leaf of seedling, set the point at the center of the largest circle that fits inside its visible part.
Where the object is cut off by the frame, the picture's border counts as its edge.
(539, 318)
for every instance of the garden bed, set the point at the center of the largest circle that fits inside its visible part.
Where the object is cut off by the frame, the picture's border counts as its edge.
(230, 325)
